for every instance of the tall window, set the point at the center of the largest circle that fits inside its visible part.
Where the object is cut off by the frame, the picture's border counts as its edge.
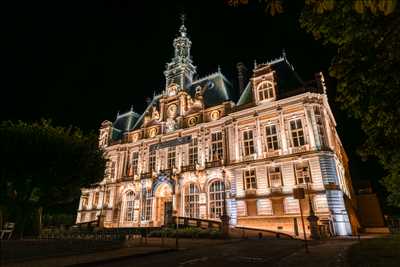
(112, 169)
(250, 181)
(85, 201)
(107, 198)
(193, 152)
(272, 138)
(291, 205)
(116, 211)
(129, 204)
(146, 204)
(217, 149)
(296, 129)
(171, 157)
(216, 199)
(275, 177)
(265, 90)
(192, 201)
(135, 162)
(248, 143)
(320, 125)
(302, 173)
(95, 199)
(152, 160)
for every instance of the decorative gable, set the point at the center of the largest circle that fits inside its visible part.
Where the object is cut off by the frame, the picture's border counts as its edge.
(264, 85)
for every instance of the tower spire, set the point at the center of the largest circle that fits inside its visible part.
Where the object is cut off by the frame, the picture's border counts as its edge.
(182, 29)
(180, 70)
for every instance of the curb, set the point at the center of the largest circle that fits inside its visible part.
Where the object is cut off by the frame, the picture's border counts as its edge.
(121, 258)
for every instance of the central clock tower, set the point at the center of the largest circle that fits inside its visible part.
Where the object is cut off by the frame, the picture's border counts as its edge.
(180, 70)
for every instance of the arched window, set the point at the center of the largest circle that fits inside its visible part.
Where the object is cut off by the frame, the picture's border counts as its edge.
(265, 90)
(129, 206)
(192, 201)
(216, 199)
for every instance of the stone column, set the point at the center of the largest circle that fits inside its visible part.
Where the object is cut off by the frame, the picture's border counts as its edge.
(282, 131)
(258, 136)
(309, 126)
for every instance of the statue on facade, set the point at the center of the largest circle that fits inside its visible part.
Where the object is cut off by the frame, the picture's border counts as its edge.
(155, 115)
(171, 122)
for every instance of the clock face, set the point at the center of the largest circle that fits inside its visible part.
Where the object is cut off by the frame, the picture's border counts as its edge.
(172, 90)
(172, 111)
(214, 115)
(192, 121)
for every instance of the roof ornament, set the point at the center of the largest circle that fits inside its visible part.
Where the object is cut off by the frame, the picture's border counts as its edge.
(255, 63)
(182, 29)
(131, 108)
(219, 68)
(284, 53)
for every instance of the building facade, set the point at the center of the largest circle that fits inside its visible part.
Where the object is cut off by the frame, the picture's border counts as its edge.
(195, 151)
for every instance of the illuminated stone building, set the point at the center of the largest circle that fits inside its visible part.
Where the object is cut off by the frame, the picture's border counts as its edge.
(195, 140)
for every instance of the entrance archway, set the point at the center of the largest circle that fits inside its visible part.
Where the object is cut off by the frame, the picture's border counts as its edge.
(163, 204)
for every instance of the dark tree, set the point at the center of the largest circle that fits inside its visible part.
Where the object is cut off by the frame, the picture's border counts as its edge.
(44, 166)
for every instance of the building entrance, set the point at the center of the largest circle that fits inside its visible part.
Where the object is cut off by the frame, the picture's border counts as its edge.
(163, 197)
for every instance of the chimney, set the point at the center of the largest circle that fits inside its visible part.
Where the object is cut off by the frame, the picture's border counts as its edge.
(242, 76)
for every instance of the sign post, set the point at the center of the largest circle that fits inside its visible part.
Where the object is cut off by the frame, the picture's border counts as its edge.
(298, 193)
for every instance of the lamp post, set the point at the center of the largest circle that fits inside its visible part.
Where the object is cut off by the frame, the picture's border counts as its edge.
(312, 218)
(174, 173)
(225, 217)
(298, 193)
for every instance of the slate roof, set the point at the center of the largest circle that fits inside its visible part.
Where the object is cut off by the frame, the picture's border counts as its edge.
(288, 82)
(218, 89)
(124, 123)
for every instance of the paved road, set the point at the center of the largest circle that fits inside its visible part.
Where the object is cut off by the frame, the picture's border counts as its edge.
(253, 252)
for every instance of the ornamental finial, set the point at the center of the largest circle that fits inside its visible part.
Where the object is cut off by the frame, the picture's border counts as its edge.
(182, 29)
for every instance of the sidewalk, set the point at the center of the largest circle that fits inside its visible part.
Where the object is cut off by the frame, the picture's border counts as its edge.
(92, 259)
(130, 249)
(327, 254)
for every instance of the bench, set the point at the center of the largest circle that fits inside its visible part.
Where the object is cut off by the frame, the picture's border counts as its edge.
(7, 231)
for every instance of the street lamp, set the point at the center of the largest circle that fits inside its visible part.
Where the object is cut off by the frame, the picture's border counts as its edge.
(312, 218)
(225, 217)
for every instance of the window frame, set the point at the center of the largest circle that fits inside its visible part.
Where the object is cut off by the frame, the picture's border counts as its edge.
(267, 92)
(147, 205)
(193, 151)
(171, 157)
(297, 134)
(319, 121)
(271, 139)
(135, 162)
(129, 206)
(275, 175)
(152, 160)
(192, 201)
(299, 172)
(248, 142)
(216, 198)
(217, 146)
(96, 198)
(250, 179)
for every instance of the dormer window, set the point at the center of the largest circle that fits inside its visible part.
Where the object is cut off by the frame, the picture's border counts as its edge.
(265, 91)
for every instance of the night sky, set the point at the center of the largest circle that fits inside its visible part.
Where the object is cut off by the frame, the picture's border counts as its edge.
(80, 62)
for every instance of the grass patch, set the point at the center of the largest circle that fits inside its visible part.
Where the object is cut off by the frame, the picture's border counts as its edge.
(376, 252)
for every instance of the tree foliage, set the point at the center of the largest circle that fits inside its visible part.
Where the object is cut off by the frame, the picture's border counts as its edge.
(366, 34)
(44, 165)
